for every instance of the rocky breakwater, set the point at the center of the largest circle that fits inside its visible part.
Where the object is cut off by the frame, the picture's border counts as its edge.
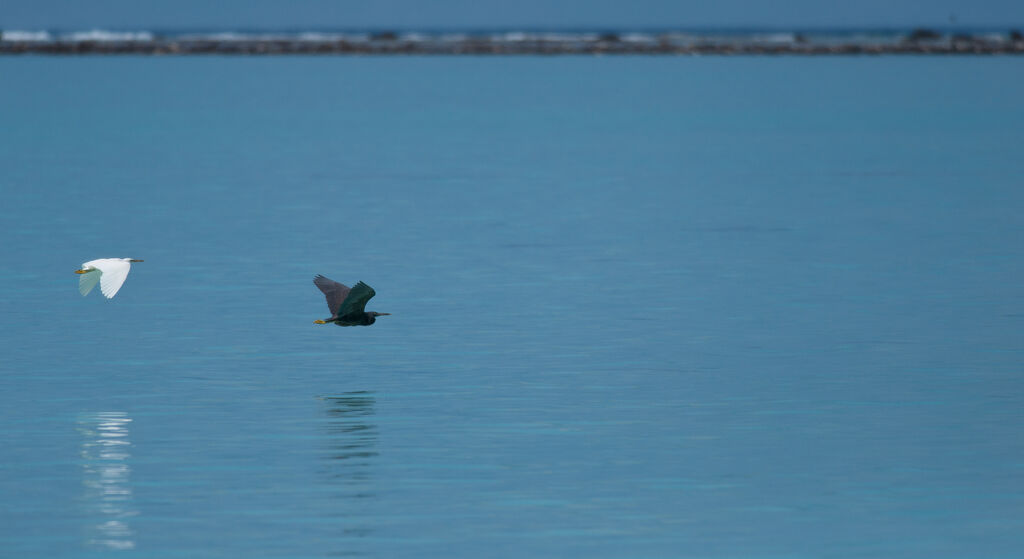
(915, 42)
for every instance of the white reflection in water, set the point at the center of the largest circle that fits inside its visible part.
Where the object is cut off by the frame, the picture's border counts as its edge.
(106, 476)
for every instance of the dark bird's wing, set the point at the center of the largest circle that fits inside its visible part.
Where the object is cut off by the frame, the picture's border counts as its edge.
(334, 291)
(356, 300)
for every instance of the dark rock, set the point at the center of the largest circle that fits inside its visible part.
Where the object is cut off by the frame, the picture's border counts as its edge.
(922, 34)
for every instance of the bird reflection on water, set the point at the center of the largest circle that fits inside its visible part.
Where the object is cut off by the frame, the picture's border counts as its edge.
(350, 456)
(106, 478)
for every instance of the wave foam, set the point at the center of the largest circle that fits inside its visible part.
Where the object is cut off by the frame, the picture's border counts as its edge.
(26, 36)
(108, 36)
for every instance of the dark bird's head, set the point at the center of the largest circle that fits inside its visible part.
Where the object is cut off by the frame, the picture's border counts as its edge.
(371, 316)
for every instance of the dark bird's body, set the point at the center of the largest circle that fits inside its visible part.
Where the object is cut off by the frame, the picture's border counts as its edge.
(347, 305)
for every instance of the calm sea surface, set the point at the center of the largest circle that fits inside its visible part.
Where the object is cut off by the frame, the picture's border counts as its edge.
(754, 308)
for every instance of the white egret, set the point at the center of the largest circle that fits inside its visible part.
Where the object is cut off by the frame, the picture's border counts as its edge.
(110, 273)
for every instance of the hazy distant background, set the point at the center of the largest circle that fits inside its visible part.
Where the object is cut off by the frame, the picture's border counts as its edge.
(235, 14)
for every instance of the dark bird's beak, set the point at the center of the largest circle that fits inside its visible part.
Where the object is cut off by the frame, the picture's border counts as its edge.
(133, 260)
(383, 314)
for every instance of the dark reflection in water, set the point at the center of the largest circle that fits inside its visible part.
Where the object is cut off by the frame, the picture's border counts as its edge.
(350, 457)
(106, 477)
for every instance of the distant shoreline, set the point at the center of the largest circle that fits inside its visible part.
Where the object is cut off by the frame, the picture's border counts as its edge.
(909, 42)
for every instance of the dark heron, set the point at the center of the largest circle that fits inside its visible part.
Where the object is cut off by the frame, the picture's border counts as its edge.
(346, 305)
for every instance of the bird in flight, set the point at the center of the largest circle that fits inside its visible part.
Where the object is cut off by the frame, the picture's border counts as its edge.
(347, 305)
(110, 273)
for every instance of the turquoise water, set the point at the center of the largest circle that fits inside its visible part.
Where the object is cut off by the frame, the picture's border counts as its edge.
(641, 307)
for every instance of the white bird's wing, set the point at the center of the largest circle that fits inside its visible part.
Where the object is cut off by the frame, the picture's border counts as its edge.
(88, 280)
(115, 271)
